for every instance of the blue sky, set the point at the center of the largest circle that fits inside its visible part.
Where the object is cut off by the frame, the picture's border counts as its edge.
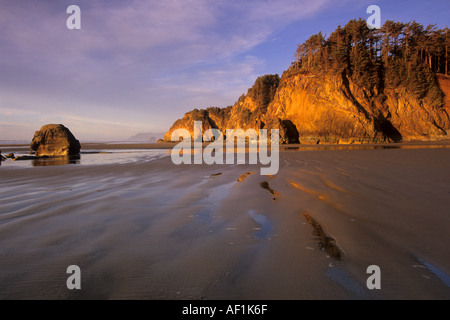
(137, 65)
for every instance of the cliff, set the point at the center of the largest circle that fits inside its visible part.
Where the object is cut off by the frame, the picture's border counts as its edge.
(357, 86)
(249, 112)
(329, 108)
(332, 108)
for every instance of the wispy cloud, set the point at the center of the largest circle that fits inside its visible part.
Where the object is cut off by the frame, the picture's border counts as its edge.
(117, 30)
(144, 56)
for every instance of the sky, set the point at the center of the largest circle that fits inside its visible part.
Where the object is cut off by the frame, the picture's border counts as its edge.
(139, 65)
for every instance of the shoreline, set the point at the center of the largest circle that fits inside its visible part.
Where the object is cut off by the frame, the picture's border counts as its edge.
(444, 143)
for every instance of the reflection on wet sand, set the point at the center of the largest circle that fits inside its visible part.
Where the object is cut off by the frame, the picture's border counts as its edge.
(362, 147)
(56, 161)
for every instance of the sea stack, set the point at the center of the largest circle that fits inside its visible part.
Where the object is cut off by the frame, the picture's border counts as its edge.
(55, 140)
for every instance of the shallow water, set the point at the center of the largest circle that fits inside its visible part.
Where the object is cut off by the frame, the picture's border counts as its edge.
(264, 223)
(437, 271)
(91, 157)
(346, 282)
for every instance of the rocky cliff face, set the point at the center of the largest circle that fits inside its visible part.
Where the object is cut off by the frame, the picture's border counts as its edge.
(444, 83)
(329, 108)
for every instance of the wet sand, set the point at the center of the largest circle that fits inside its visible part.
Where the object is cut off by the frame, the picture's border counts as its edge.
(154, 230)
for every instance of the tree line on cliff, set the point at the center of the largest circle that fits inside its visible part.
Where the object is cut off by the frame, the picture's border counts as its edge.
(397, 54)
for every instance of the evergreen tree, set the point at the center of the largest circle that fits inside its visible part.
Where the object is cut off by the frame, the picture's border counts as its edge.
(264, 89)
(397, 54)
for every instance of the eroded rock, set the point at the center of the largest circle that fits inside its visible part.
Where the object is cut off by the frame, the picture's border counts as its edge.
(330, 108)
(55, 140)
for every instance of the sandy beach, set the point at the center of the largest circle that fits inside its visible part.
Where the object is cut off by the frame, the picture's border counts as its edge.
(148, 229)
(212, 156)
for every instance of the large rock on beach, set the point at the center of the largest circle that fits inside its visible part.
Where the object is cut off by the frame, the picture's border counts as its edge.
(55, 140)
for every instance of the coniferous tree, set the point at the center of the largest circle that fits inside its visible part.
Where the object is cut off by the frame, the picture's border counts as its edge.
(397, 54)
(264, 89)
